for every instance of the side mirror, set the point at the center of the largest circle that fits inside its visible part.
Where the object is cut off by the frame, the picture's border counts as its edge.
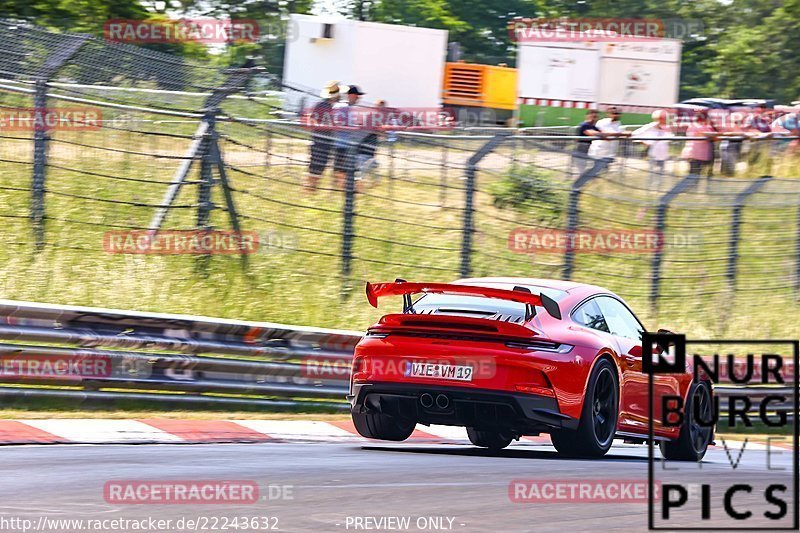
(662, 330)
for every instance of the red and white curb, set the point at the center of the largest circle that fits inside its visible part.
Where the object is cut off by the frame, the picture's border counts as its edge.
(176, 431)
(169, 431)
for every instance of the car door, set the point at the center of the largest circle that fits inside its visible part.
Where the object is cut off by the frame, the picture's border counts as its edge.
(627, 332)
(589, 315)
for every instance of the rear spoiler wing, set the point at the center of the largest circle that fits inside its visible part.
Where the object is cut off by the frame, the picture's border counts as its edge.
(403, 288)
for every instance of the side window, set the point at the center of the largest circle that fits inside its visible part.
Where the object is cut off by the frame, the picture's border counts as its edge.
(620, 320)
(589, 315)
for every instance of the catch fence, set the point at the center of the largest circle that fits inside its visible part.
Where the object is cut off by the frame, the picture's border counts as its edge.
(182, 146)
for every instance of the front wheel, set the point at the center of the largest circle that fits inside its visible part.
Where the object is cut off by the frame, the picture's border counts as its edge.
(489, 439)
(695, 436)
(383, 427)
(598, 423)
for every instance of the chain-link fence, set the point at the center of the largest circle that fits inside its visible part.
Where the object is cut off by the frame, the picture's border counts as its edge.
(182, 146)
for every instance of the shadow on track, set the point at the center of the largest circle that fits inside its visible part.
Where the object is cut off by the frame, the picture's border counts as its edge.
(513, 453)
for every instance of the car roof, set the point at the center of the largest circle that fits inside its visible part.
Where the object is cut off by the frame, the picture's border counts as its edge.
(557, 284)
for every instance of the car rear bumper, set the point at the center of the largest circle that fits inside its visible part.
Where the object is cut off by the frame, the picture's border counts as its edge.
(482, 409)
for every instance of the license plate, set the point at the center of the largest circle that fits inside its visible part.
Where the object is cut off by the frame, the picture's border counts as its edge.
(439, 371)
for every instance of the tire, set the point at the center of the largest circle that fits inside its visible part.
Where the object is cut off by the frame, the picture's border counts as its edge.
(489, 439)
(599, 416)
(383, 427)
(694, 439)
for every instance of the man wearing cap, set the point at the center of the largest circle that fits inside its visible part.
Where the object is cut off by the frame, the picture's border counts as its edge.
(347, 135)
(321, 123)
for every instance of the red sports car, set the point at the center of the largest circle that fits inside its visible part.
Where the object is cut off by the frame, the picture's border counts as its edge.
(506, 357)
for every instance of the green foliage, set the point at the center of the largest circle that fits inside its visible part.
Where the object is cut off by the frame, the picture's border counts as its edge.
(527, 189)
(745, 49)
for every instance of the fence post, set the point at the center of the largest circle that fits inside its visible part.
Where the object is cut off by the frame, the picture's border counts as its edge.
(736, 222)
(204, 205)
(661, 221)
(443, 176)
(40, 138)
(348, 215)
(469, 199)
(236, 81)
(572, 210)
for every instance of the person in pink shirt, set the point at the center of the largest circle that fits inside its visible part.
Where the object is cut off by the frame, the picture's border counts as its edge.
(699, 153)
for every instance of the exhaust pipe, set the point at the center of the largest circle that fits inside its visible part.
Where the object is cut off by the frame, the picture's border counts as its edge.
(442, 401)
(426, 400)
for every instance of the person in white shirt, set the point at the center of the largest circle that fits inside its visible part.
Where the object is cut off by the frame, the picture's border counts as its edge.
(610, 128)
(658, 150)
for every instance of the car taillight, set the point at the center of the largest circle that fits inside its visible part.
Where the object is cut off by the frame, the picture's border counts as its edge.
(541, 346)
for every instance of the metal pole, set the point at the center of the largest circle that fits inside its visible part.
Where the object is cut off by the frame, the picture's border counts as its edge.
(469, 225)
(205, 206)
(180, 176)
(227, 192)
(51, 66)
(661, 222)
(443, 179)
(469, 200)
(40, 138)
(736, 222)
(573, 212)
(348, 215)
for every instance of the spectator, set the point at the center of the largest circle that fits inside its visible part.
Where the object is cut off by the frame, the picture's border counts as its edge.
(587, 128)
(321, 123)
(759, 121)
(788, 126)
(699, 152)
(657, 149)
(380, 118)
(731, 146)
(388, 118)
(757, 127)
(347, 136)
(610, 128)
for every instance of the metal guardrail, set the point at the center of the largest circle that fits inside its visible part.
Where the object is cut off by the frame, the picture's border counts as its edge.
(85, 353)
(113, 354)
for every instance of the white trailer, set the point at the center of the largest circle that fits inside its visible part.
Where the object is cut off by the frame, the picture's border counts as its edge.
(403, 65)
(642, 73)
(564, 71)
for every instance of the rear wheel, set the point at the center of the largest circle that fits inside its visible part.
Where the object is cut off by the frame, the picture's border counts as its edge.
(695, 437)
(598, 423)
(493, 440)
(382, 426)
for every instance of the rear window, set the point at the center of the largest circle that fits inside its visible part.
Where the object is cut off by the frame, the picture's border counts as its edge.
(478, 306)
